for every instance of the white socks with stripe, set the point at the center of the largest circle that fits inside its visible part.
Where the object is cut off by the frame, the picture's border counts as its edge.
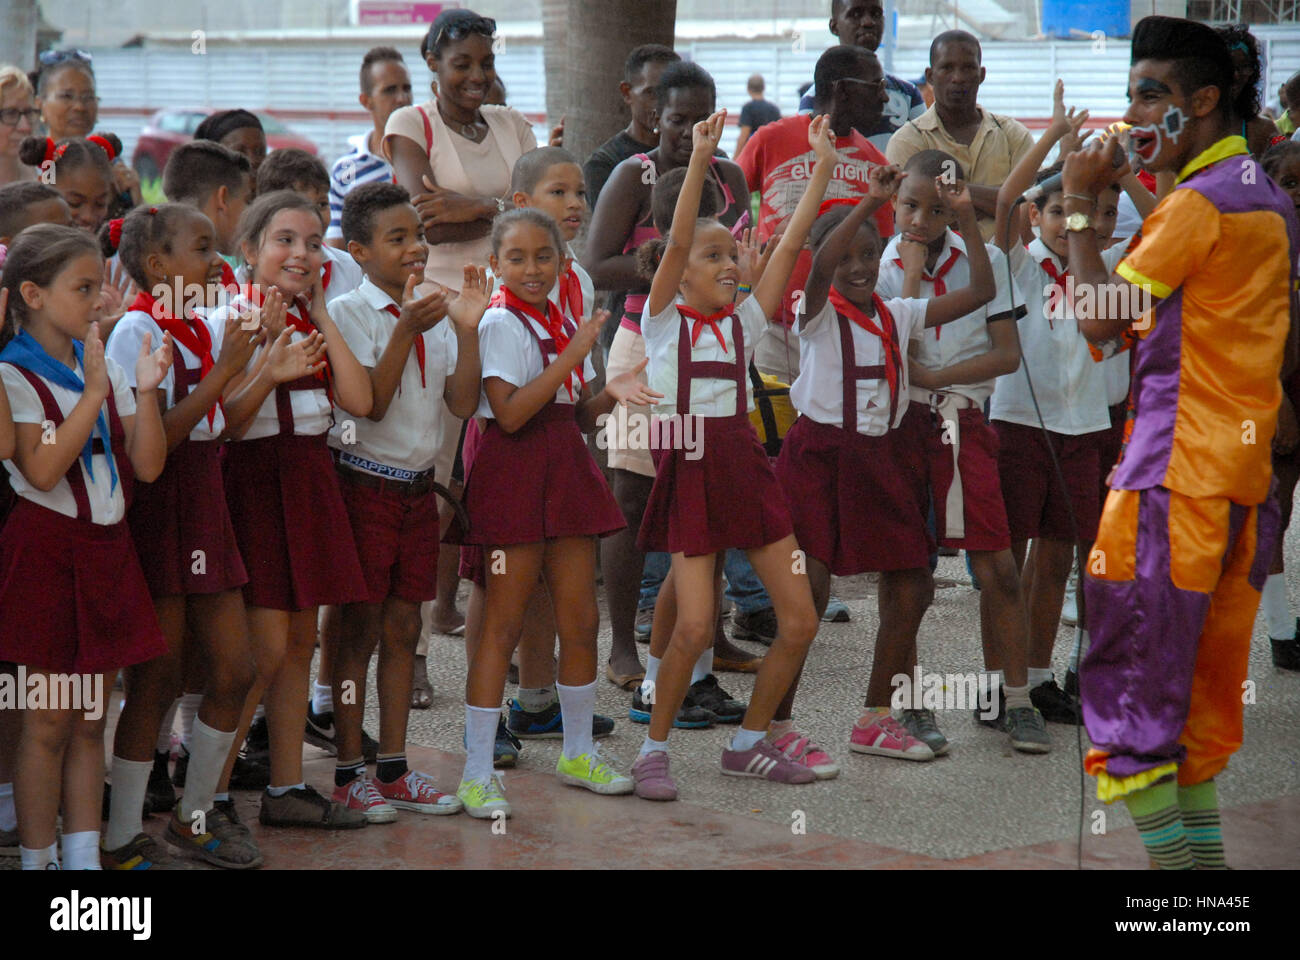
(1277, 610)
(480, 738)
(577, 706)
(208, 751)
(126, 809)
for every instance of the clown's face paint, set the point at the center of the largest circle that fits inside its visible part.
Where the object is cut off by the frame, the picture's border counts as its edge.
(1156, 111)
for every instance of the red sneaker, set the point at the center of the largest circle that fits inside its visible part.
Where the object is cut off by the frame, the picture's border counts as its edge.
(361, 795)
(415, 791)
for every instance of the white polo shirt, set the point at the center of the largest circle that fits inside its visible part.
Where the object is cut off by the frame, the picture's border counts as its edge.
(818, 391)
(107, 505)
(407, 436)
(965, 337)
(510, 352)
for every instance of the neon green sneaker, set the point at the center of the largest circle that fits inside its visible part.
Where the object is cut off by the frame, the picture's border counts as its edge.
(484, 798)
(590, 771)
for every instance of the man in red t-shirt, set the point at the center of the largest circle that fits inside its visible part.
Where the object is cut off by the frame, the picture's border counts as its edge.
(777, 161)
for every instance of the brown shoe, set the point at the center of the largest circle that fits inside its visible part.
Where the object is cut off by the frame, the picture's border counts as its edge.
(729, 658)
(304, 807)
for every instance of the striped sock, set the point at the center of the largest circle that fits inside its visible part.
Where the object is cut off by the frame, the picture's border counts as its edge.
(1199, 805)
(1155, 811)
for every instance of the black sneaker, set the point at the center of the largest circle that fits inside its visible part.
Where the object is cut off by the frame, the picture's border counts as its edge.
(1055, 704)
(159, 796)
(1286, 653)
(758, 626)
(1028, 731)
(921, 724)
(320, 730)
(304, 807)
(249, 775)
(181, 766)
(548, 724)
(257, 745)
(708, 695)
(689, 717)
(999, 719)
(1071, 683)
(227, 809)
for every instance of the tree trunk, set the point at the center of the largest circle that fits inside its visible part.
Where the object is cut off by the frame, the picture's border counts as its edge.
(602, 34)
(555, 22)
(18, 38)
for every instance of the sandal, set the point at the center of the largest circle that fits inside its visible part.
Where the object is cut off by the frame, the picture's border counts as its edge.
(624, 681)
(421, 689)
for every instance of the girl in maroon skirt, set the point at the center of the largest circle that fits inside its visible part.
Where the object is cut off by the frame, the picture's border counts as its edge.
(182, 530)
(536, 501)
(714, 487)
(76, 602)
(282, 489)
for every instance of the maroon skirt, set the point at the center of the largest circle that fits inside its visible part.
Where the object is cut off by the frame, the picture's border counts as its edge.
(539, 483)
(182, 528)
(291, 525)
(471, 555)
(74, 597)
(857, 502)
(727, 496)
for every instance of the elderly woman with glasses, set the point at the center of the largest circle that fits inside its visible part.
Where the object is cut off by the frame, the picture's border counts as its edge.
(17, 120)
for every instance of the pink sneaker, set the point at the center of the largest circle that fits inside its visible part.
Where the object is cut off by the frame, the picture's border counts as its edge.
(801, 749)
(651, 775)
(765, 762)
(362, 796)
(416, 791)
(884, 736)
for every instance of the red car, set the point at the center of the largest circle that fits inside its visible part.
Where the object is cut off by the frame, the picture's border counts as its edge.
(168, 129)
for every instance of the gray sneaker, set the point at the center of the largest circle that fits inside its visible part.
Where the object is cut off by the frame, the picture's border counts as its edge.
(1027, 730)
(921, 724)
(304, 807)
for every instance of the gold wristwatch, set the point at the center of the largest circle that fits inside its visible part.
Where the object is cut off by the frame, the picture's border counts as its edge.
(1077, 222)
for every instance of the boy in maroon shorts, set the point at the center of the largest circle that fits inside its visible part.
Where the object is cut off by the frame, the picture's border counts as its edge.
(385, 465)
(952, 369)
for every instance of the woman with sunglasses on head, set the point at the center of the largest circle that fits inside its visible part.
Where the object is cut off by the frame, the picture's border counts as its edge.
(17, 120)
(455, 153)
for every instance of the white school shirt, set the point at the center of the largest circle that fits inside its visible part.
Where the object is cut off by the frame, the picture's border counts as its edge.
(967, 336)
(107, 505)
(1115, 371)
(312, 412)
(407, 437)
(124, 347)
(1069, 384)
(344, 273)
(818, 391)
(709, 397)
(510, 352)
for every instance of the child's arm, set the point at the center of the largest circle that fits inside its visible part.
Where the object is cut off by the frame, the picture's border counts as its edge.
(237, 345)
(612, 223)
(512, 406)
(146, 439)
(1002, 356)
(624, 389)
(462, 388)
(663, 289)
(982, 287)
(771, 288)
(1143, 199)
(912, 253)
(352, 390)
(1022, 177)
(417, 316)
(882, 184)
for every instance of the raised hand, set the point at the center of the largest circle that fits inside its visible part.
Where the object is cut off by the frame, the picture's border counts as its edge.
(273, 313)
(151, 367)
(883, 182)
(707, 133)
(467, 309)
(584, 338)
(117, 293)
(627, 388)
(749, 253)
(912, 252)
(93, 366)
(421, 313)
(556, 138)
(240, 339)
(819, 138)
(290, 360)
(1092, 169)
(956, 196)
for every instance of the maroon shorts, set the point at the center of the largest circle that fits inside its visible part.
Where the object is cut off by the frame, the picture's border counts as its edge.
(984, 514)
(728, 496)
(1036, 504)
(538, 483)
(181, 525)
(857, 502)
(397, 540)
(74, 597)
(291, 525)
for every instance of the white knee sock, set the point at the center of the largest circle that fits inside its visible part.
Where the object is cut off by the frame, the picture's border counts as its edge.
(164, 744)
(209, 749)
(46, 859)
(81, 850)
(322, 698)
(187, 711)
(577, 705)
(480, 736)
(8, 815)
(651, 676)
(703, 666)
(1276, 608)
(126, 810)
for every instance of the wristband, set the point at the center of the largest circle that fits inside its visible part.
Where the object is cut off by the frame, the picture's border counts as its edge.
(744, 288)
(1081, 196)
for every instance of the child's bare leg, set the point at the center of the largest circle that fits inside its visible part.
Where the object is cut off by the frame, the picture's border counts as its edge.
(690, 592)
(153, 685)
(1052, 560)
(359, 633)
(537, 641)
(268, 636)
(621, 563)
(83, 772)
(1006, 635)
(474, 621)
(401, 632)
(38, 774)
(329, 625)
(445, 615)
(904, 597)
(286, 699)
(819, 578)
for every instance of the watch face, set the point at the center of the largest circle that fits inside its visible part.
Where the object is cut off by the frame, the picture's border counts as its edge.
(1078, 221)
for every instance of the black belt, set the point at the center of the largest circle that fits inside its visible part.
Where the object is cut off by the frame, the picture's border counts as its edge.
(403, 488)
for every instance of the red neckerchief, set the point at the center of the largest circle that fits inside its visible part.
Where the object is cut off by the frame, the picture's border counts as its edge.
(552, 321)
(295, 315)
(571, 295)
(419, 345)
(193, 335)
(885, 331)
(700, 320)
(940, 288)
(1058, 283)
(325, 272)
(228, 280)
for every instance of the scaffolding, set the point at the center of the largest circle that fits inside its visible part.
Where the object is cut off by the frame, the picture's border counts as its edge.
(1245, 11)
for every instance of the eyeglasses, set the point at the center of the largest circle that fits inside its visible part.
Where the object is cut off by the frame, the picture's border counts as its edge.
(485, 26)
(873, 84)
(67, 96)
(51, 57)
(11, 115)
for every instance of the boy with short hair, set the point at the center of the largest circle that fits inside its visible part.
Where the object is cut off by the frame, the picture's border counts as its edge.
(418, 351)
(216, 180)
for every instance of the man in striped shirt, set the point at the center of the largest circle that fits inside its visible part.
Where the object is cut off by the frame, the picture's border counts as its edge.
(385, 86)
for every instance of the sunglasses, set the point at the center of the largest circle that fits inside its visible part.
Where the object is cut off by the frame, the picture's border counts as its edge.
(51, 57)
(484, 26)
(11, 115)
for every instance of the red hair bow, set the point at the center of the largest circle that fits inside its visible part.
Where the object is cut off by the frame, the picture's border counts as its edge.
(103, 145)
(115, 232)
(53, 151)
(836, 202)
